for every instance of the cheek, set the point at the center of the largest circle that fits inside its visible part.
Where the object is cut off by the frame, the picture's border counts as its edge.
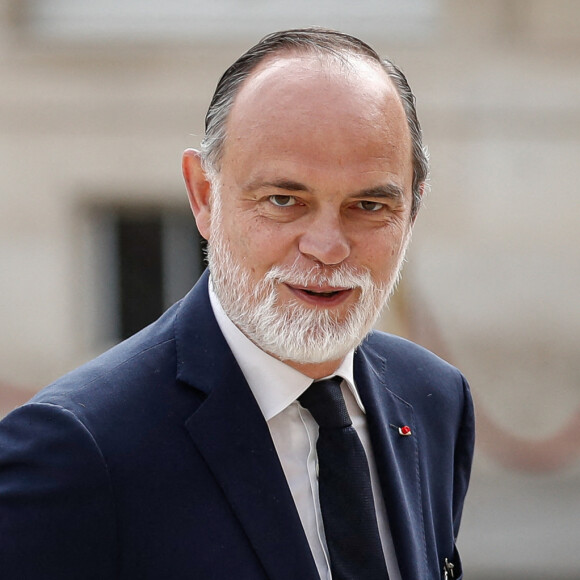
(253, 247)
(271, 245)
(381, 255)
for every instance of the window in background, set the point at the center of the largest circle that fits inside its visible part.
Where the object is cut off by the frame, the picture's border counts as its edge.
(143, 260)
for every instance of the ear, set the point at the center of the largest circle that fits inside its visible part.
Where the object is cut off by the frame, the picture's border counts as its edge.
(198, 190)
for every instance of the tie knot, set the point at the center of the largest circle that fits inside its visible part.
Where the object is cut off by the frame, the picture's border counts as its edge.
(325, 402)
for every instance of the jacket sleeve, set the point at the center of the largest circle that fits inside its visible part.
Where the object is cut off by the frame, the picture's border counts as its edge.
(56, 507)
(463, 457)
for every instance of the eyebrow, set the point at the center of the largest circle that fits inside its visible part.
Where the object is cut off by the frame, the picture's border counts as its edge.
(388, 191)
(287, 184)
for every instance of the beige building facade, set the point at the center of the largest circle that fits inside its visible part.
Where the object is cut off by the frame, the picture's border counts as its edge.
(93, 121)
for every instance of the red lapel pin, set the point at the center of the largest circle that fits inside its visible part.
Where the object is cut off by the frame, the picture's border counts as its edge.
(405, 430)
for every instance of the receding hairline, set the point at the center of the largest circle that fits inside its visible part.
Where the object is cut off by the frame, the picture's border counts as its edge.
(347, 60)
(326, 57)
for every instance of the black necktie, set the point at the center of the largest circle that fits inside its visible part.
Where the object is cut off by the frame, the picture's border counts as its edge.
(344, 487)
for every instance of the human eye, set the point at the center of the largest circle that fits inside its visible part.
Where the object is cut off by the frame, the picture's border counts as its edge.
(371, 206)
(282, 200)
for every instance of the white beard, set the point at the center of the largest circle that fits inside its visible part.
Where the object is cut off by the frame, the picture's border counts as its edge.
(292, 331)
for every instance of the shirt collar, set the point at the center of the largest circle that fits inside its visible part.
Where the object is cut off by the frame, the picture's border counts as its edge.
(275, 385)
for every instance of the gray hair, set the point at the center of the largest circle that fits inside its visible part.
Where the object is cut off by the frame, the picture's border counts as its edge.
(316, 41)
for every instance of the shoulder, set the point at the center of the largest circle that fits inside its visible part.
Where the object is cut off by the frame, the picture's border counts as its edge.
(114, 395)
(403, 356)
(136, 381)
(149, 353)
(412, 372)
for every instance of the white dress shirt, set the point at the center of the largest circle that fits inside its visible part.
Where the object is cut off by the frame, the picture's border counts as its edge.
(276, 387)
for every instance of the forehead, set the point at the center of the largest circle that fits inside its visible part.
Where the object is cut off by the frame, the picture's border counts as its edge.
(322, 106)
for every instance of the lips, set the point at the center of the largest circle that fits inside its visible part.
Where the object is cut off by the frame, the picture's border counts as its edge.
(321, 296)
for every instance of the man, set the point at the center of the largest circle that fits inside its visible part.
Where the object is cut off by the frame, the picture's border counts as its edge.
(191, 450)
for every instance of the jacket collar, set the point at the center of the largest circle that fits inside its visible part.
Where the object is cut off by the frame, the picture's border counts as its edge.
(230, 432)
(397, 460)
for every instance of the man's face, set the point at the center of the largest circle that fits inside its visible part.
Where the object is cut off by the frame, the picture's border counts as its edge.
(315, 202)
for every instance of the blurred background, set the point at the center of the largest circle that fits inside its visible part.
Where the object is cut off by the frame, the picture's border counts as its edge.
(98, 101)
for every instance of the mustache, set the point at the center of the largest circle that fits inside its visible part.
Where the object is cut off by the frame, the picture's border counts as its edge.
(342, 276)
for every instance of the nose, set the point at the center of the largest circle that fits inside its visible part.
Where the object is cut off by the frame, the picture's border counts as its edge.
(324, 240)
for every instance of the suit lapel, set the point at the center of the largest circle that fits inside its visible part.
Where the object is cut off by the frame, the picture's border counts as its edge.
(230, 432)
(397, 460)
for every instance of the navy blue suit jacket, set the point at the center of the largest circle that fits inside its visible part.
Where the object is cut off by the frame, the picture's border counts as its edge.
(154, 462)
